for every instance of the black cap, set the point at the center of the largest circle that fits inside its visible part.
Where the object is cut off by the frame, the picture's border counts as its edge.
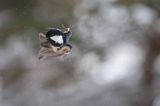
(53, 32)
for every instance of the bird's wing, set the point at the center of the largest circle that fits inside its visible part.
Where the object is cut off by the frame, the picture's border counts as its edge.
(43, 40)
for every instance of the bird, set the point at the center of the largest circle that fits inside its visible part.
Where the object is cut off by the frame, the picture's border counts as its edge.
(59, 38)
(55, 42)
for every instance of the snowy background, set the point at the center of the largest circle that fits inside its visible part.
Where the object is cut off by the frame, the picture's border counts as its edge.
(114, 62)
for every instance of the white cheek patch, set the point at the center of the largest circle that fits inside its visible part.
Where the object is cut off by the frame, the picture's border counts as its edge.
(57, 39)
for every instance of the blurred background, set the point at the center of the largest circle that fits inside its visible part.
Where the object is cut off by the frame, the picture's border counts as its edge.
(114, 62)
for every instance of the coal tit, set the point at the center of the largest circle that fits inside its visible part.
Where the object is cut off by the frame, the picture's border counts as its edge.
(59, 38)
(54, 43)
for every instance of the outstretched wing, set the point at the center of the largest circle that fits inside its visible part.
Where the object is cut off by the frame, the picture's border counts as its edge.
(43, 40)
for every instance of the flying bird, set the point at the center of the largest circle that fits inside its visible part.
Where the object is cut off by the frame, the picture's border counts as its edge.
(54, 43)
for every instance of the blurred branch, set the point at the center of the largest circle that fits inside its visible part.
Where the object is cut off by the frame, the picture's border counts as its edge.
(149, 72)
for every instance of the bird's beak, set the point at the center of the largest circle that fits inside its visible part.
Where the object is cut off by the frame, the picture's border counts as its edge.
(66, 30)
